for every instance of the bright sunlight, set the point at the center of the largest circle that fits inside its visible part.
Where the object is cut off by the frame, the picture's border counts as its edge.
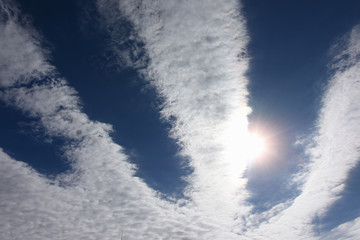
(243, 146)
(254, 146)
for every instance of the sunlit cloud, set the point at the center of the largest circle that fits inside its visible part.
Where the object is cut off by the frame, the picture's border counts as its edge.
(333, 153)
(100, 197)
(191, 62)
(200, 76)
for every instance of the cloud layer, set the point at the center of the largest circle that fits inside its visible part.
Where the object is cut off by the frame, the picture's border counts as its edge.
(101, 198)
(197, 65)
(200, 78)
(20, 55)
(333, 153)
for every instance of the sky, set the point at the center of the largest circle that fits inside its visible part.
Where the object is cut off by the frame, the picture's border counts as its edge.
(130, 119)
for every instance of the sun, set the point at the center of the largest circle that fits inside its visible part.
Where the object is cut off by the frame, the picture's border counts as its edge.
(254, 146)
(244, 146)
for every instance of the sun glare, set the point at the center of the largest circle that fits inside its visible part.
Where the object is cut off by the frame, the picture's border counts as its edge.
(254, 146)
(243, 146)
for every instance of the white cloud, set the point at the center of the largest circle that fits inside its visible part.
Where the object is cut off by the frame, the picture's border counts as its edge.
(197, 65)
(195, 69)
(333, 154)
(101, 198)
(346, 231)
(104, 203)
(21, 59)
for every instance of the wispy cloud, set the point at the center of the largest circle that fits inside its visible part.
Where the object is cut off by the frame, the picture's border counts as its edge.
(334, 151)
(347, 231)
(193, 66)
(197, 65)
(101, 198)
(21, 59)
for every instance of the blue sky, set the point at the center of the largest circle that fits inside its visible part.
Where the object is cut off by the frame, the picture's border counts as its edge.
(135, 119)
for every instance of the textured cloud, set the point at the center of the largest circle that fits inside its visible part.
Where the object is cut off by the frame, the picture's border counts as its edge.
(104, 203)
(101, 198)
(20, 58)
(334, 152)
(197, 63)
(195, 69)
(346, 231)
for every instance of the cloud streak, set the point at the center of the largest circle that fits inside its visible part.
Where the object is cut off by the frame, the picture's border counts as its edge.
(334, 152)
(21, 58)
(197, 65)
(195, 70)
(101, 197)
